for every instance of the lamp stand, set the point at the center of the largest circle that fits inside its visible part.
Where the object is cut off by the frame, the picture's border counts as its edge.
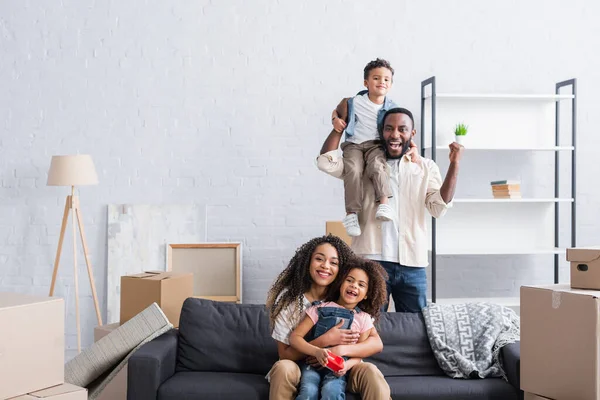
(72, 203)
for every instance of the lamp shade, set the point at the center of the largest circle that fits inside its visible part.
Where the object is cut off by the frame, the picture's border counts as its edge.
(74, 170)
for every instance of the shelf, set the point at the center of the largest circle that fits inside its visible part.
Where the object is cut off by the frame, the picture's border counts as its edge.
(552, 148)
(499, 96)
(504, 301)
(498, 251)
(492, 200)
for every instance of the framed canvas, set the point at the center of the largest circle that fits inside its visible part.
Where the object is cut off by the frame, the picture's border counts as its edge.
(216, 268)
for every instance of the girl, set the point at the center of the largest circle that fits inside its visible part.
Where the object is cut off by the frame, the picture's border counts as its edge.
(307, 278)
(360, 296)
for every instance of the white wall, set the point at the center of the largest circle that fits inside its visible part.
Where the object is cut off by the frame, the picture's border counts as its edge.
(226, 103)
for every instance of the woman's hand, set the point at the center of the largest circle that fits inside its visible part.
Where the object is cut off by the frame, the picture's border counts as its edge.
(313, 362)
(336, 336)
(338, 350)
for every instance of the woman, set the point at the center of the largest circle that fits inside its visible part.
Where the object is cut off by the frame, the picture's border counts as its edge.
(307, 278)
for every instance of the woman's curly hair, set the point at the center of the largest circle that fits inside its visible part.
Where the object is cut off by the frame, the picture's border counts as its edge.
(377, 291)
(295, 280)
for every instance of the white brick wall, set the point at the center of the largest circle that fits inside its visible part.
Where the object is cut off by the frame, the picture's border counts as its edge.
(226, 103)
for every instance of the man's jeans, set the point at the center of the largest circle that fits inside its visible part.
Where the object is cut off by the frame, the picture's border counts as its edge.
(332, 387)
(407, 285)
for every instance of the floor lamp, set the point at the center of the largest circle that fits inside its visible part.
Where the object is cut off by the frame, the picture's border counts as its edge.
(75, 170)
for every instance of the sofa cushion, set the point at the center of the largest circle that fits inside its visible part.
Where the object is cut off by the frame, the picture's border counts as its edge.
(406, 349)
(225, 337)
(445, 388)
(214, 385)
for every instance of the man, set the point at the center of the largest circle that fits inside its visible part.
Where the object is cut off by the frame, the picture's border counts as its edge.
(401, 245)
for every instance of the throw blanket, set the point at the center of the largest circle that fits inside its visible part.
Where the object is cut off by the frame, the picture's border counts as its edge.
(466, 339)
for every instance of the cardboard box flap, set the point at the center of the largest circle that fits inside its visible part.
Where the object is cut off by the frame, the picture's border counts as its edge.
(165, 275)
(56, 390)
(146, 274)
(9, 299)
(158, 275)
(584, 255)
(565, 288)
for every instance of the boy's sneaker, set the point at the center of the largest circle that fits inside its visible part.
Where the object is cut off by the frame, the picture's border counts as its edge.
(384, 213)
(350, 222)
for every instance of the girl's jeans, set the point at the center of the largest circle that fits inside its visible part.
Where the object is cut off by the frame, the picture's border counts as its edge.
(331, 387)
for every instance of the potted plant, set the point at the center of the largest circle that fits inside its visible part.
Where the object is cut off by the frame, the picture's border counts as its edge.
(459, 133)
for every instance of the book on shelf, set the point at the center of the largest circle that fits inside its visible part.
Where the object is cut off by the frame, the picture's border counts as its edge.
(505, 182)
(506, 188)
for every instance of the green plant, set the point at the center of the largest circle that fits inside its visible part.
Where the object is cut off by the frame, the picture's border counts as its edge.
(461, 129)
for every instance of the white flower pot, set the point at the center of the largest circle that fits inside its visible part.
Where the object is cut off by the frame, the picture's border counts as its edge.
(459, 139)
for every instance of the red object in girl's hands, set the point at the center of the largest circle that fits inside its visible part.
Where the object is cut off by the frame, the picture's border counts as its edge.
(335, 362)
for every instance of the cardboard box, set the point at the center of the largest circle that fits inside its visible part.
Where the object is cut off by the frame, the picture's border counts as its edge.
(560, 342)
(337, 228)
(117, 387)
(531, 396)
(32, 343)
(585, 267)
(65, 391)
(168, 289)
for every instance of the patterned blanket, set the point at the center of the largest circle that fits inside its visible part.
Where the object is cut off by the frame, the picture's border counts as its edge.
(466, 339)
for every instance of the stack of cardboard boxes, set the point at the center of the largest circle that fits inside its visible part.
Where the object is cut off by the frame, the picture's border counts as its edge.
(32, 336)
(167, 289)
(560, 333)
(32, 349)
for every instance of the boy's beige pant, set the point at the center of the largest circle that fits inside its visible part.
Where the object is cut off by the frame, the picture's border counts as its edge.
(364, 379)
(367, 158)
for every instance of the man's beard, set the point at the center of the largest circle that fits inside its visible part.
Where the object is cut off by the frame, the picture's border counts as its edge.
(405, 148)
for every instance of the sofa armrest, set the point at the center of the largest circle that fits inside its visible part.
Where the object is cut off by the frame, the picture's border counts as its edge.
(511, 362)
(152, 365)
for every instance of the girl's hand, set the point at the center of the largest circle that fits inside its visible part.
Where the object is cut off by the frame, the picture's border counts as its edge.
(322, 355)
(339, 125)
(342, 371)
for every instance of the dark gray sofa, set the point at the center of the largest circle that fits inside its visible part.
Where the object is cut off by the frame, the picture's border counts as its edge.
(223, 351)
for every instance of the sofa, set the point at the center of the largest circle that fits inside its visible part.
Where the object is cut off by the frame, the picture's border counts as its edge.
(224, 351)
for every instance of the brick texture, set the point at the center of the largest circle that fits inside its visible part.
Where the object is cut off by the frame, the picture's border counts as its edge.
(226, 103)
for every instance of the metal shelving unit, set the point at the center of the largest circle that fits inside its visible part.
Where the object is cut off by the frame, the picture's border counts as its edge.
(430, 102)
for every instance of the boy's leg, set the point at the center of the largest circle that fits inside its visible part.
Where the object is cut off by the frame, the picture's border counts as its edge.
(309, 383)
(333, 388)
(368, 381)
(284, 378)
(376, 170)
(410, 294)
(353, 175)
(353, 190)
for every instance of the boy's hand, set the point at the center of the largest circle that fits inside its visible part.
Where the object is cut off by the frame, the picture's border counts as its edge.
(339, 124)
(322, 355)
